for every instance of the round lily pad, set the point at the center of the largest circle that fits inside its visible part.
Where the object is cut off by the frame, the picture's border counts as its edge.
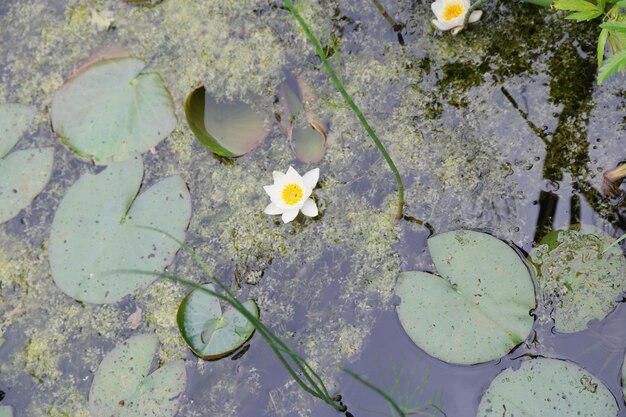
(6, 411)
(574, 270)
(477, 308)
(124, 387)
(227, 128)
(14, 120)
(210, 333)
(113, 109)
(99, 233)
(547, 388)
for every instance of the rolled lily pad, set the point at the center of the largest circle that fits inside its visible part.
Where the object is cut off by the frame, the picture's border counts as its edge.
(227, 128)
(23, 174)
(98, 233)
(584, 281)
(547, 388)
(124, 387)
(113, 109)
(6, 411)
(210, 333)
(477, 308)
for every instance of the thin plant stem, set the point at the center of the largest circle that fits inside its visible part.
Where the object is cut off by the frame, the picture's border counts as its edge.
(473, 7)
(395, 26)
(615, 243)
(357, 111)
(377, 390)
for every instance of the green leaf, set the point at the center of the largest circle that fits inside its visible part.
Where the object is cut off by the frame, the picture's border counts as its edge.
(583, 16)
(604, 33)
(615, 26)
(123, 387)
(477, 309)
(6, 411)
(209, 333)
(572, 268)
(112, 109)
(574, 6)
(14, 120)
(97, 235)
(547, 388)
(227, 128)
(615, 63)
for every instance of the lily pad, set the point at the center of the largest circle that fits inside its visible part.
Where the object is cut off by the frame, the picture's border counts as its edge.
(124, 387)
(584, 282)
(477, 308)
(113, 109)
(210, 333)
(98, 233)
(227, 128)
(547, 388)
(6, 411)
(23, 174)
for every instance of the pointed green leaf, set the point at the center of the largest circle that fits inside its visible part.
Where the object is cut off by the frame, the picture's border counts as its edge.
(615, 63)
(574, 5)
(604, 33)
(97, 235)
(477, 308)
(113, 109)
(547, 388)
(616, 26)
(584, 16)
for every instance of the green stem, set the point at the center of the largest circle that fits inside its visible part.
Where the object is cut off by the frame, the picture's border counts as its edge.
(396, 26)
(473, 7)
(333, 76)
(543, 3)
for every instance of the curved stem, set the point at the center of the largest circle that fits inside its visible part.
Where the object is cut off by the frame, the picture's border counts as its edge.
(333, 76)
(473, 7)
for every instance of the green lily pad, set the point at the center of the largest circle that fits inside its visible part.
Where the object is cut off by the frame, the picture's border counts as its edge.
(547, 388)
(23, 174)
(477, 308)
(572, 269)
(97, 236)
(210, 333)
(227, 128)
(6, 411)
(123, 386)
(113, 109)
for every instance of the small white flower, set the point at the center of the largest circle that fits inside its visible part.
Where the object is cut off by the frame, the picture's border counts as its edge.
(290, 194)
(451, 14)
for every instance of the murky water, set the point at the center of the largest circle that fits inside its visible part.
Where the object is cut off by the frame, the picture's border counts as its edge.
(501, 128)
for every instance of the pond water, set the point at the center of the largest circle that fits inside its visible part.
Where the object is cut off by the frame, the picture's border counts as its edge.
(501, 128)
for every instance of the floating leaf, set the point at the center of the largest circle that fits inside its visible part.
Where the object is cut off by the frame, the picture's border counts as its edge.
(6, 411)
(23, 174)
(307, 142)
(227, 128)
(209, 333)
(571, 267)
(123, 386)
(113, 109)
(477, 309)
(97, 235)
(547, 388)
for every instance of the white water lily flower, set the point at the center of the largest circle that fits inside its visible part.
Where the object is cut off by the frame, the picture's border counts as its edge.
(290, 194)
(451, 14)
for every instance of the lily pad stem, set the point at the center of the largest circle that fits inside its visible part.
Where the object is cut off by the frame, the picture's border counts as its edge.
(396, 26)
(333, 76)
(473, 7)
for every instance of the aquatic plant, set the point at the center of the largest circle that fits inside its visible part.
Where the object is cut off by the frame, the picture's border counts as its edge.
(454, 15)
(319, 50)
(291, 193)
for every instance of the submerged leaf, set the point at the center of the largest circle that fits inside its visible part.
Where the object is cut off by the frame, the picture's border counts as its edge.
(477, 309)
(227, 128)
(572, 267)
(210, 333)
(123, 386)
(547, 388)
(98, 235)
(112, 109)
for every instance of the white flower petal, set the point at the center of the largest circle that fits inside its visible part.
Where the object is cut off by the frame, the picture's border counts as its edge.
(277, 175)
(289, 215)
(437, 8)
(310, 178)
(292, 173)
(309, 208)
(270, 189)
(475, 16)
(456, 30)
(440, 25)
(273, 209)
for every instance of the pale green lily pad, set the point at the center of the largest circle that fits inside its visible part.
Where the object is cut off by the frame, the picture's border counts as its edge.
(584, 281)
(23, 174)
(6, 411)
(477, 309)
(123, 386)
(210, 333)
(14, 120)
(113, 109)
(98, 233)
(547, 388)
(227, 128)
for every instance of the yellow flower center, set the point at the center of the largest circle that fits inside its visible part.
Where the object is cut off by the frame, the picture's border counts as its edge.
(452, 10)
(292, 194)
